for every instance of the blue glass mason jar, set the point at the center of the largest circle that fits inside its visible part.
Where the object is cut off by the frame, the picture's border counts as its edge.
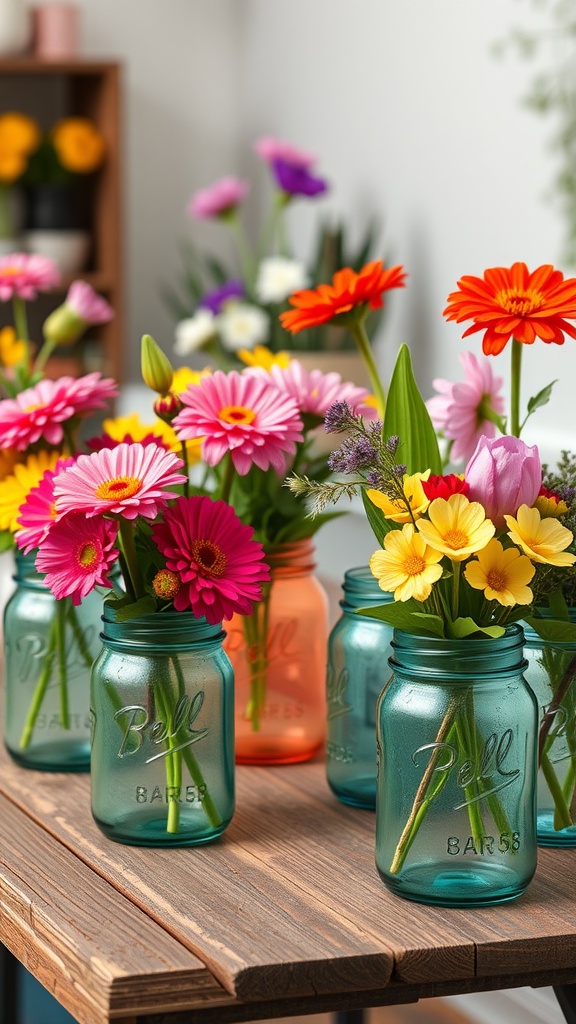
(49, 647)
(456, 798)
(551, 673)
(162, 699)
(358, 652)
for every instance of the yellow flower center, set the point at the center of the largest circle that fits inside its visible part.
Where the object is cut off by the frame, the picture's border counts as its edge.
(166, 583)
(10, 271)
(32, 408)
(414, 565)
(87, 555)
(456, 539)
(119, 488)
(496, 579)
(209, 557)
(518, 302)
(237, 414)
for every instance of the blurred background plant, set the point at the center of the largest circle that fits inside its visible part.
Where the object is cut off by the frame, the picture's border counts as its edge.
(19, 137)
(221, 309)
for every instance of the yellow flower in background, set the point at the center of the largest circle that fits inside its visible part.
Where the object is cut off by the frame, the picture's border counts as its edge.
(19, 133)
(406, 565)
(78, 144)
(549, 504)
(184, 376)
(12, 165)
(14, 488)
(263, 357)
(502, 573)
(8, 459)
(414, 492)
(12, 351)
(457, 527)
(543, 540)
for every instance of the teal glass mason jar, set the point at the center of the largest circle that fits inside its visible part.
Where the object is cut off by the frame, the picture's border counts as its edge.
(456, 795)
(49, 647)
(162, 699)
(551, 673)
(358, 652)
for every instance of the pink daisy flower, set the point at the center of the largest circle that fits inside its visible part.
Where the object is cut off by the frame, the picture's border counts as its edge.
(23, 275)
(220, 567)
(129, 480)
(38, 513)
(217, 199)
(77, 555)
(315, 391)
(87, 304)
(244, 415)
(39, 411)
(459, 410)
(270, 148)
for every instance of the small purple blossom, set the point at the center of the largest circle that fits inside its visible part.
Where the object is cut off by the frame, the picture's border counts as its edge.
(392, 444)
(340, 416)
(215, 299)
(296, 180)
(375, 479)
(353, 454)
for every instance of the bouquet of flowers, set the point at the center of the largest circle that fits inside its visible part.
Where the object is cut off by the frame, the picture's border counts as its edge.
(226, 310)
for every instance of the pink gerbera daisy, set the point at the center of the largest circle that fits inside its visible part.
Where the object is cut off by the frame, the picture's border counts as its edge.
(220, 567)
(24, 275)
(244, 415)
(38, 513)
(77, 554)
(39, 411)
(130, 480)
(218, 199)
(315, 391)
(459, 410)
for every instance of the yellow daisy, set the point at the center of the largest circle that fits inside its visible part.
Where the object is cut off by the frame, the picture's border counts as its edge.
(12, 351)
(406, 565)
(15, 488)
(502, 573)
(414, 492)
(457, 527)
(262, 356)
(543, 540)
(184, 376)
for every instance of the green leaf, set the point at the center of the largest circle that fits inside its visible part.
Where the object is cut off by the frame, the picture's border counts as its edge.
(463, 627)
(542, 398)
(124, 612)
(405, 615)
(407, 416)
(557, 605)
(556, 630)
(376, 518)
(6, 540)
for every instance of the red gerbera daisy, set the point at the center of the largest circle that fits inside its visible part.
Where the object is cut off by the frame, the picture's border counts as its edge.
(220, 567)
(443, 486)
(514, 303)
(347, 291)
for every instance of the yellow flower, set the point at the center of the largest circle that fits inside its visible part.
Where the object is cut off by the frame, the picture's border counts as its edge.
(18, 133)
(415, 494)
(457, 527)
(543, 540)
(406, 565)
(79, 145)
(262, 356)
(502, 573)
(12, 351)
(15, 488)
(550, 505)
(12, 165)
(184, 376)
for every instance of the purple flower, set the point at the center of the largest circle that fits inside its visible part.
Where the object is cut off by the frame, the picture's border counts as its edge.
(353, 454)
(215, 299)
(338, 417)
(297, 180)
(218, 199)
(503, 474)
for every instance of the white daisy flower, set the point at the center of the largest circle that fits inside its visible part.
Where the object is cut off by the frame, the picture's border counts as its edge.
(195, 332)
(241, 325)
(278, 277)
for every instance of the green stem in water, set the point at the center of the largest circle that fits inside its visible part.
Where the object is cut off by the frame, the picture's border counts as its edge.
(361, 338)
(562, 818)
(256, 635)
(210, 809)
(515, 373)
(79, 637)
(62, 667)
(40, 691)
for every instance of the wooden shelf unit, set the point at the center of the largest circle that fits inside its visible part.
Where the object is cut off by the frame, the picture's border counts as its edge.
(47, 91)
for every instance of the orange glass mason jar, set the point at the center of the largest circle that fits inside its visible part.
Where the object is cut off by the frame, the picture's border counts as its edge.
(279, 658)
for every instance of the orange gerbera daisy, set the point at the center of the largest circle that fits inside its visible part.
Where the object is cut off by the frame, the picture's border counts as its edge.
(348, 291)
(514, 303)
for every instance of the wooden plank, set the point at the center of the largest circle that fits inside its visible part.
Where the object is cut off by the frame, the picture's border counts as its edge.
(92, 949)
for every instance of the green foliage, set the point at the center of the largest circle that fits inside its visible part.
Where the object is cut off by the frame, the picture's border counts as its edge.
(407, 417)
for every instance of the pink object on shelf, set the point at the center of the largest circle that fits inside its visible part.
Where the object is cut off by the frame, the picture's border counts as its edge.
(56, 31)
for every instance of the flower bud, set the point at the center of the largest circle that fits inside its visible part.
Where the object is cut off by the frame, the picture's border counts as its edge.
(63, 326)
(503, 474)
(168, 406)
(156, 367)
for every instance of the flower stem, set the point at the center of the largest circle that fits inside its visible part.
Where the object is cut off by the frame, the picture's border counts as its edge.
(562, 817)
(126, 536)
(361, 338)
(62, 667)
(256, 635)
(40, 691)
(210, 809)
(455, 589)
(228, 479)
(515, 373)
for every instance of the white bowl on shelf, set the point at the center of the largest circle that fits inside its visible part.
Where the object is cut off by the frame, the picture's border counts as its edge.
(68, 249)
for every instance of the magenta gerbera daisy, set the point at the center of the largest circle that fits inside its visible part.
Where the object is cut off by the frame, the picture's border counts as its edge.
(315, 391)
(220, 567)
(77, 554)
(130, 480)
(39, 412)
(38, 512)
(24, 275)
(244, 415)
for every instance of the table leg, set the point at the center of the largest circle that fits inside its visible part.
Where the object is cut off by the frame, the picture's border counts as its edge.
(566, 996)
(349, 1017)
(9, 968)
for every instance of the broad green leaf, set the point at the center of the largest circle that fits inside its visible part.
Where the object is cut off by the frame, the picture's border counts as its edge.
(557, 605)
(556, 630)
(407, 416)
(376, 518)
(464, 627)
(542, 398)
(144, 606)
(404, 615)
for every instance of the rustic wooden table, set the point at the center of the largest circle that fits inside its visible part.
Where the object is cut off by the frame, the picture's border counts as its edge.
(283, 915)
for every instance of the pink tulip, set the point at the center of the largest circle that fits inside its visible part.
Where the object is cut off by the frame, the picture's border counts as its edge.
(502, 475)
